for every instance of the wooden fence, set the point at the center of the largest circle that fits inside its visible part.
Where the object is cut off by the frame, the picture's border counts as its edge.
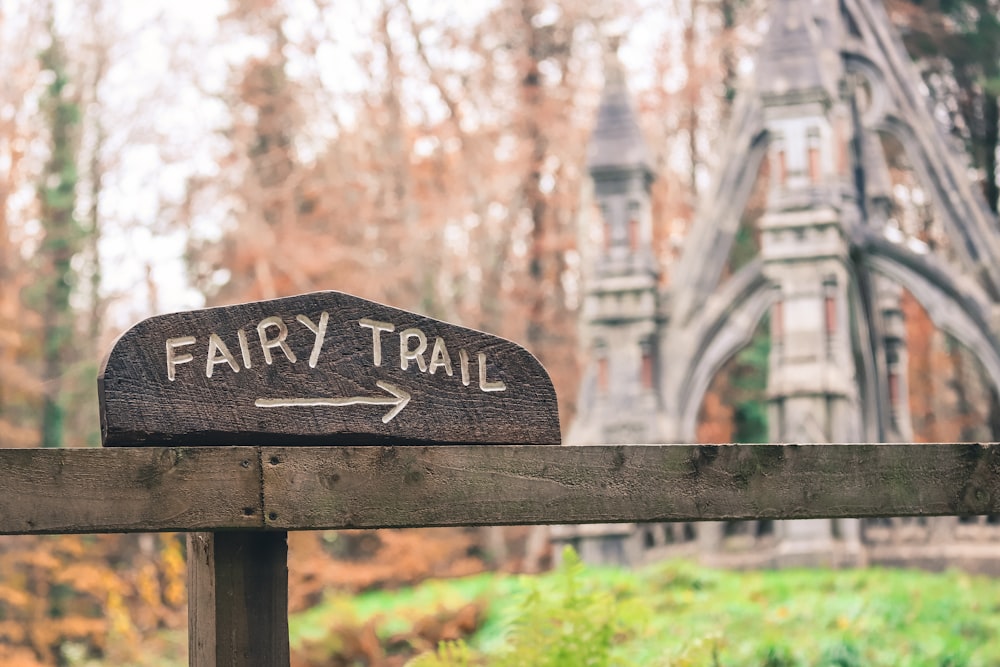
(238, 502)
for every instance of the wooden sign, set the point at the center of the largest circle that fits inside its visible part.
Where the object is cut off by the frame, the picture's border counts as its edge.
(320, 368)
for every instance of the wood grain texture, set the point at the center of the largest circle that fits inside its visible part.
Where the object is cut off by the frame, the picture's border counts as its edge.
(375, 487)
(238, 599)
(303, 488)
(451, 384)
(201, 600)
(129, 489)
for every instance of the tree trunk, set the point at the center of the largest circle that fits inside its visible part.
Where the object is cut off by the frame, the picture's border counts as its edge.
(60, 241)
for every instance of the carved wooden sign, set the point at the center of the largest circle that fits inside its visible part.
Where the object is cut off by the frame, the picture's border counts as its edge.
(317, 369)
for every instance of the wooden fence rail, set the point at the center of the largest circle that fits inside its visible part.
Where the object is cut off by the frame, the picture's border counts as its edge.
(238, 502)
(279, 488)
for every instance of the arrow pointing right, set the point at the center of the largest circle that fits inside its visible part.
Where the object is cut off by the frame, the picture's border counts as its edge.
(399, 400)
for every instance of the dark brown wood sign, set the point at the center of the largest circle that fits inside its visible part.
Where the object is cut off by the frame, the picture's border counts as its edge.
(317, 369)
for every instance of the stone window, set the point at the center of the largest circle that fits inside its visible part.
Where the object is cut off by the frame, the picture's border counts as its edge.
(601, 353)
(780, 164)
(815, 156)
(778, 322)
(633, 225)
(647, 371)
(830, 312)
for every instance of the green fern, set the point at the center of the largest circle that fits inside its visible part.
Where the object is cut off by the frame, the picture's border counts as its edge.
(561, 621)
(570, 624)
(448, 654)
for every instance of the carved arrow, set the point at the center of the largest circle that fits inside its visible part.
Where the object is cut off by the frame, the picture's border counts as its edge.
(399, 400)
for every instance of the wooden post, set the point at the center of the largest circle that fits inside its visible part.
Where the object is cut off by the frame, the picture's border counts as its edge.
(238, 599)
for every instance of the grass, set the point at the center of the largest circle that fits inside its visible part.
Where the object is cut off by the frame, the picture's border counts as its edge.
(679, 614)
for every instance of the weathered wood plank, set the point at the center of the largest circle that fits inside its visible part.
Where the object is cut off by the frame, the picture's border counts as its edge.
(192, 489)
(323, 368)
(201, 592)
(373, 487)
(238, 599)
(129, 489)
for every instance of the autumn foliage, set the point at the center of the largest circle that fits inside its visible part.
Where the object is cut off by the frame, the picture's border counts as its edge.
(436, 162)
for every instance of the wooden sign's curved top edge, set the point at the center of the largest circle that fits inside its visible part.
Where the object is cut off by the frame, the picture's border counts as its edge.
(119, 350)
(152, 318)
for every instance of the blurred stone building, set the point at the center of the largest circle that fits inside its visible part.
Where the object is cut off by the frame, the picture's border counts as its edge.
(832, 83)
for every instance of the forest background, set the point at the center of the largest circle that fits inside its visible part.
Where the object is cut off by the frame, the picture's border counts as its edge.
(164, 155)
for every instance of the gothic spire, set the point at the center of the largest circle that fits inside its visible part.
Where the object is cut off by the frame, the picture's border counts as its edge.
(617, 141)
(795, 57)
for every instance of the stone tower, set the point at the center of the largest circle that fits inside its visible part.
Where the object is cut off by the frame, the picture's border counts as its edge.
(830, 78)
(619, 401)
(621, 310)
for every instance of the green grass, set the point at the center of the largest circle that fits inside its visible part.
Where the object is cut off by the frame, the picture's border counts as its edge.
(679, 614)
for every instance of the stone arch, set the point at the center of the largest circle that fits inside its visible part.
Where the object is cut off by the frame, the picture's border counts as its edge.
(954, 308)
(866, 348)
(717, 220)
(880, 100)
(723, 331)
(953, 210)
